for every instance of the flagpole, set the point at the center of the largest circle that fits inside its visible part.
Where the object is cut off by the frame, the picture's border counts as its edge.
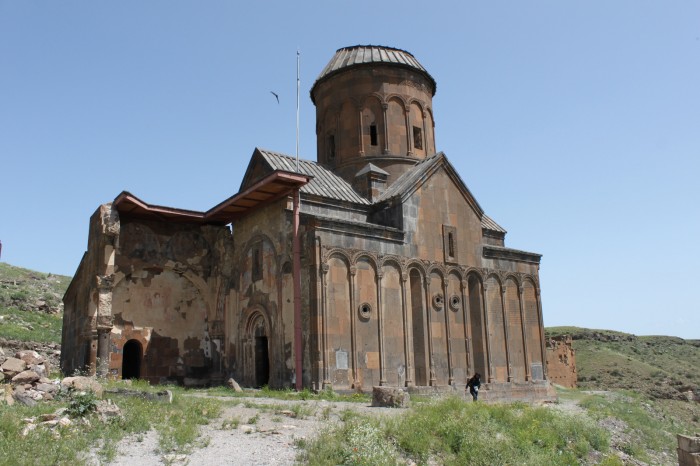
(298, 86)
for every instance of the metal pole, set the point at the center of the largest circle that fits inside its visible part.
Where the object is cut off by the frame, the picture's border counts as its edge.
(298, 86)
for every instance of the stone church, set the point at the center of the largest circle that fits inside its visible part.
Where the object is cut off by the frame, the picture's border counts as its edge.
(373, 265)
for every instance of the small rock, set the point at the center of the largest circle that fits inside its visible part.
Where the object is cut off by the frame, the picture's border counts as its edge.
(28, 428)
(47, 387)
(13, 366)
(389, 397)
(64, 422)
(24, 398)
(30, 357)
(107, 410)
(234, 385)
(82, 384)
(286, 412)
(246, 429)
(25, 377)
(40, 369)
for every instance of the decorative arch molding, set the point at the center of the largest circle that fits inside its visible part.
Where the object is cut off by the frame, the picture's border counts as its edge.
(402, 99)
(419, 103)
(251, 317)
(414, 264)
(392, 260)
(371, 96)
(340, 254)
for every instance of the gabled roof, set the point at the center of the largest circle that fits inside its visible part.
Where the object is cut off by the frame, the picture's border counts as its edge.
(413, 179)
(324, 182)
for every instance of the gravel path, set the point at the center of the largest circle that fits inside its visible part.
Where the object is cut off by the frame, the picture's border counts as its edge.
(254, 431)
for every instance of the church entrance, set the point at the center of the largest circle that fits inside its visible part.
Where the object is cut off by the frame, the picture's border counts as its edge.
(256, 370)
(131, 360)
(262, 362)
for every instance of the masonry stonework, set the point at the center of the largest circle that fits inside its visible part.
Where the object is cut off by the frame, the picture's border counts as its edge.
(402, 279)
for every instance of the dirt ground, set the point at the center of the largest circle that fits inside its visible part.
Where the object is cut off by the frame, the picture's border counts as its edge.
(249, 433)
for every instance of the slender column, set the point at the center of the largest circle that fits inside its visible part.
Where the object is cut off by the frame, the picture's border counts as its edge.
(521, 300)
(380, 315)
(466, 312)
(324, 318)
(446, 308)
(361, 143)
(539, 315)
(93, 352)
(406, 337)
(320, 306)
(505, 332)
(380, 318)
(489, 357)
(103, 350)
(409, 132)
(353, 329)
(431, 361)
(385, 106)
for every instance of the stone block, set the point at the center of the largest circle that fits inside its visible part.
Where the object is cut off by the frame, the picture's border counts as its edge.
(83, 384)
(25, 377)
(13, 366)
(688, 443)
(389, 397)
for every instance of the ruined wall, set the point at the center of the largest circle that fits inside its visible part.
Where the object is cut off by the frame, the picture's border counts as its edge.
(86, 303)
(168, 297)
(561, 361)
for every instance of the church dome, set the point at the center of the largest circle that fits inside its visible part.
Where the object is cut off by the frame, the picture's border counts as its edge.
(368, 55)
(373, 105)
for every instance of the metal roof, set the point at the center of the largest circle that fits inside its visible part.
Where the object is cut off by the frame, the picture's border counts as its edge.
(487, 223)
(324, 182)
(411, 177)
(359, 55)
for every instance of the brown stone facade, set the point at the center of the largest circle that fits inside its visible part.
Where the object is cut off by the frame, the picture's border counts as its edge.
(402, 278)
(561, 361)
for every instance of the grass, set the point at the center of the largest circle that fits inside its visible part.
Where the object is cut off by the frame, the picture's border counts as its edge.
(177, 425)
(650, 425)
(454, 432)
(659, 366)
(289, 394)
(21, 325)
(22, 294)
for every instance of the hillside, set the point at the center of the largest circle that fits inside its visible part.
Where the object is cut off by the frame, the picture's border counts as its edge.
(30, 304)
(658, 366)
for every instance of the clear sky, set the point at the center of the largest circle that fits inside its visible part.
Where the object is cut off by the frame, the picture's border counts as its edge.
(576, 124)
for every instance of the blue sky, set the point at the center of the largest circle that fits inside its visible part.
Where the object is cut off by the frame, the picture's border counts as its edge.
(575, 124)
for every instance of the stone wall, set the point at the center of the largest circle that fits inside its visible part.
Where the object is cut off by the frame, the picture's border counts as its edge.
(561, 361)
(689, 450)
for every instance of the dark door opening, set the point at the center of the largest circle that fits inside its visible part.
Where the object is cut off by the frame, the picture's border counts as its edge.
(131, 360)
(262, 362)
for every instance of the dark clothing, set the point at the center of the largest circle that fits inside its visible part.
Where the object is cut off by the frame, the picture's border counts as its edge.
(473, 385)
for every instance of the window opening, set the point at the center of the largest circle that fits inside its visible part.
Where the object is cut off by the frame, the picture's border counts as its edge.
(417, 138)
(373, 135)
(257, 263)
(451, 244)
(331, 146)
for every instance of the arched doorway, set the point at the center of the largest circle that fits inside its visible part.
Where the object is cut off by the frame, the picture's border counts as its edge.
(257, 334)
(131, 360)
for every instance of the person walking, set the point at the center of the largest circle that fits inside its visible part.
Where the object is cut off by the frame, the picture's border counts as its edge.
(473, 385)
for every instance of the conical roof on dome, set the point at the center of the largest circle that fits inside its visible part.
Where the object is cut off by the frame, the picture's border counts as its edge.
(359, 55)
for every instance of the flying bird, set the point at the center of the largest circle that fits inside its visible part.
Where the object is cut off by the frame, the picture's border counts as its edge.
(276, 96)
